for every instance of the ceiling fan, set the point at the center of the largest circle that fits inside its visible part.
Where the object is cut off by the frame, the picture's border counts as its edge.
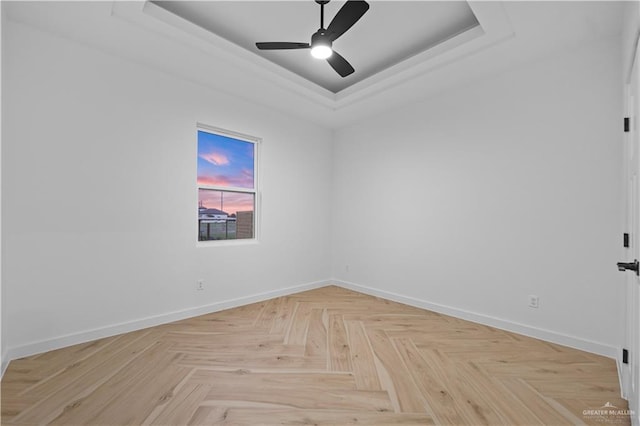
(322, 40)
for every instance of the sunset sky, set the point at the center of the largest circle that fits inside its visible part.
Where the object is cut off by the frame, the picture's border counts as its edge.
(230, 202)
(225, 162)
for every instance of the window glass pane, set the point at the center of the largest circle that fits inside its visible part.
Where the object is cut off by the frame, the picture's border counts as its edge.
(224, 215)
(225, 161)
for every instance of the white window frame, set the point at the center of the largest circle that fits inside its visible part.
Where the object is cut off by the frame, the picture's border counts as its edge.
(255, 190)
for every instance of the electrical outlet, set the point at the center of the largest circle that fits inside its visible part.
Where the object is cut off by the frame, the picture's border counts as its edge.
(534, 301)
(200, 285)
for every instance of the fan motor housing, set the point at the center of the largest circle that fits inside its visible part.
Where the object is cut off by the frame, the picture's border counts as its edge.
(320, 37)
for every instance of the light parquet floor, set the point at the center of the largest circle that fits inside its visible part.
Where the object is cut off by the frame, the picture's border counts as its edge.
(326, 356)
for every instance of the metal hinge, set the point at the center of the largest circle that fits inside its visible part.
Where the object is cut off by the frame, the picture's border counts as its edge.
(630, 266)
(625, 356)
(626, 124)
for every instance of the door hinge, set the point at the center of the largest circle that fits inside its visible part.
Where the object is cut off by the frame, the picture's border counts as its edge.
(625, 356)
(629, 266)
(626, 124)
(625, 239)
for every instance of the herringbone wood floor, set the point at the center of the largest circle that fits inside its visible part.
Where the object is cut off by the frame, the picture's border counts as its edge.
(327, 356)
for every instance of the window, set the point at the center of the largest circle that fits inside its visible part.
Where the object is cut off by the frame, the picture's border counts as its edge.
(226, 185)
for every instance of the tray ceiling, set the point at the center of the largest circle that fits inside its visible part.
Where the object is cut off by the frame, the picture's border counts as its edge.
(508, 34)
(388, 34)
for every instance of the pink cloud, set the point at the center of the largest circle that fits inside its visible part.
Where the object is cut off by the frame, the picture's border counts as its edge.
(214, 181)
(215, 158)
(243, 180)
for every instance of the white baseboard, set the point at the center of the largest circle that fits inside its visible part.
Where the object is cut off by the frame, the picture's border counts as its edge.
(112, 330)
(125, 327)
(503, 324)
(3, 364)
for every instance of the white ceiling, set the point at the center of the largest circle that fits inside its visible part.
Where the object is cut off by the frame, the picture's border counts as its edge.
(509, 34)
(387, 34)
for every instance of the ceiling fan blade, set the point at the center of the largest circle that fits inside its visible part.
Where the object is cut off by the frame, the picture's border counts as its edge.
(340, 64)
(280, 45)
(350, 13)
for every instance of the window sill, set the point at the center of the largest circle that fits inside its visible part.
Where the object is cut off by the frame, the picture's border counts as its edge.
(227, 243)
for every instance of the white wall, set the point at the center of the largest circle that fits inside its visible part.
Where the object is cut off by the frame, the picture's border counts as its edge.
(471, 201)
(497, 190)
(99, 196)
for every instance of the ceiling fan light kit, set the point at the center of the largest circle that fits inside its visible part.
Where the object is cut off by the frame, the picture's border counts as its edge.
(321, 45)
(322, 40)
